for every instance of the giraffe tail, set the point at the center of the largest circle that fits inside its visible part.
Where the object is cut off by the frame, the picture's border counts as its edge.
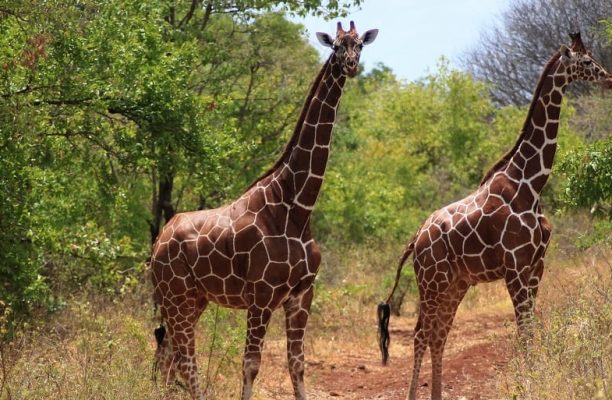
(384, 310)
(160, 333)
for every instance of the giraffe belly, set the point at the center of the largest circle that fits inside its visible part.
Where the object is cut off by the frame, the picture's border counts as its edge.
(239, 260)
(264, 276)
(222, 284)
(515, 242)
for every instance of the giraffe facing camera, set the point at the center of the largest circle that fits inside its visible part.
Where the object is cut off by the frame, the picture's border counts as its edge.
(256, 253)
(498, 231)
(347, 46)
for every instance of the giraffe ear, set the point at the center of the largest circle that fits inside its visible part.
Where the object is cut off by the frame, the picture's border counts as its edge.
(565, 51)
(369, 36)
(325, 39)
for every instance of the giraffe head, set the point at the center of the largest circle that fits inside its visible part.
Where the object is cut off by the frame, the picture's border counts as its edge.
(580, 64)
(347, 46)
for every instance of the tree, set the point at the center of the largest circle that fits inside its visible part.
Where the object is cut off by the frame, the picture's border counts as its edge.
(589, 178)
(115, 114)
(233, 38)
(414, 144)
(510, 57)
(588, 169)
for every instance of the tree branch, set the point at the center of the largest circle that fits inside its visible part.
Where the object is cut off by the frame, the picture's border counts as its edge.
(189, 15)
(206, 17)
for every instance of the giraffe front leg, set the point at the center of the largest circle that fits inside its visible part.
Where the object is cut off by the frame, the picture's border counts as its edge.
(296, 317)
(536, 278)
(257, 324)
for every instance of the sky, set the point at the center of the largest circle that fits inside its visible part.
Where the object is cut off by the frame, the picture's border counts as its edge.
(413, 35)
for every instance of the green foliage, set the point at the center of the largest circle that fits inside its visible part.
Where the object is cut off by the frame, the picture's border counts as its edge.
(256, 90)
(589, 178)
(81, 117)
(607, 23)
(404, 149)
(104, 100)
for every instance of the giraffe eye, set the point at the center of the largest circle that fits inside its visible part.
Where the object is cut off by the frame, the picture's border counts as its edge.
(587, 62)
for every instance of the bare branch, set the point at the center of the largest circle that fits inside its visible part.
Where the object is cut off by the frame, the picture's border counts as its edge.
(511, 56)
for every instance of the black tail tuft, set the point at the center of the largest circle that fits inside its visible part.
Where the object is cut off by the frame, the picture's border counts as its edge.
(159, 333)
(384, 312)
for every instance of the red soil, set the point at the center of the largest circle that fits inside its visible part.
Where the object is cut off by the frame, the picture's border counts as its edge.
(478, 347)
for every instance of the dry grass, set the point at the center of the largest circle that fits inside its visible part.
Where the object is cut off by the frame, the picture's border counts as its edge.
(87, 352)
(571, 354)
(97, 349)
(103, 350)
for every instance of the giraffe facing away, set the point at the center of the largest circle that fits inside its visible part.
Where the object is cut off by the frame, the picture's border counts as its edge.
(256, 253)
(498, 231)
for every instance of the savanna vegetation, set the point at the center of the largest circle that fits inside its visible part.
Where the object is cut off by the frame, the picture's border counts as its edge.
(117, 114)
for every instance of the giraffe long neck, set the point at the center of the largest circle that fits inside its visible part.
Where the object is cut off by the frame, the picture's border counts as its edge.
(532, 158)
(303, 166)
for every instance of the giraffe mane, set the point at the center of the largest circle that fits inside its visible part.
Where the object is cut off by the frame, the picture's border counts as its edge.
(298, 127)
(503, 162)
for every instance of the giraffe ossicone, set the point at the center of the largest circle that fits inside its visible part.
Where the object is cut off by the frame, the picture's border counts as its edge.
(497, 232)
(256, 253)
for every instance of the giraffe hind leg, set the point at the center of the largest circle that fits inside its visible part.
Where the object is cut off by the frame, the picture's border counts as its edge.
(181, 329)
(163, 356)
(420, 346)
(257, 324)
(296, 317)
(181, 307)
(445, 314)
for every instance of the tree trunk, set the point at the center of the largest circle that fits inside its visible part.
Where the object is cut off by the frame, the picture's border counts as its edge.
(162, 205)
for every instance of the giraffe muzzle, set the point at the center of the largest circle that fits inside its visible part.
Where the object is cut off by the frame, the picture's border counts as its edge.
(350, 69)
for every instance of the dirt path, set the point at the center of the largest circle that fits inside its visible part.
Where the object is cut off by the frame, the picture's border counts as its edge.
(478, 347)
